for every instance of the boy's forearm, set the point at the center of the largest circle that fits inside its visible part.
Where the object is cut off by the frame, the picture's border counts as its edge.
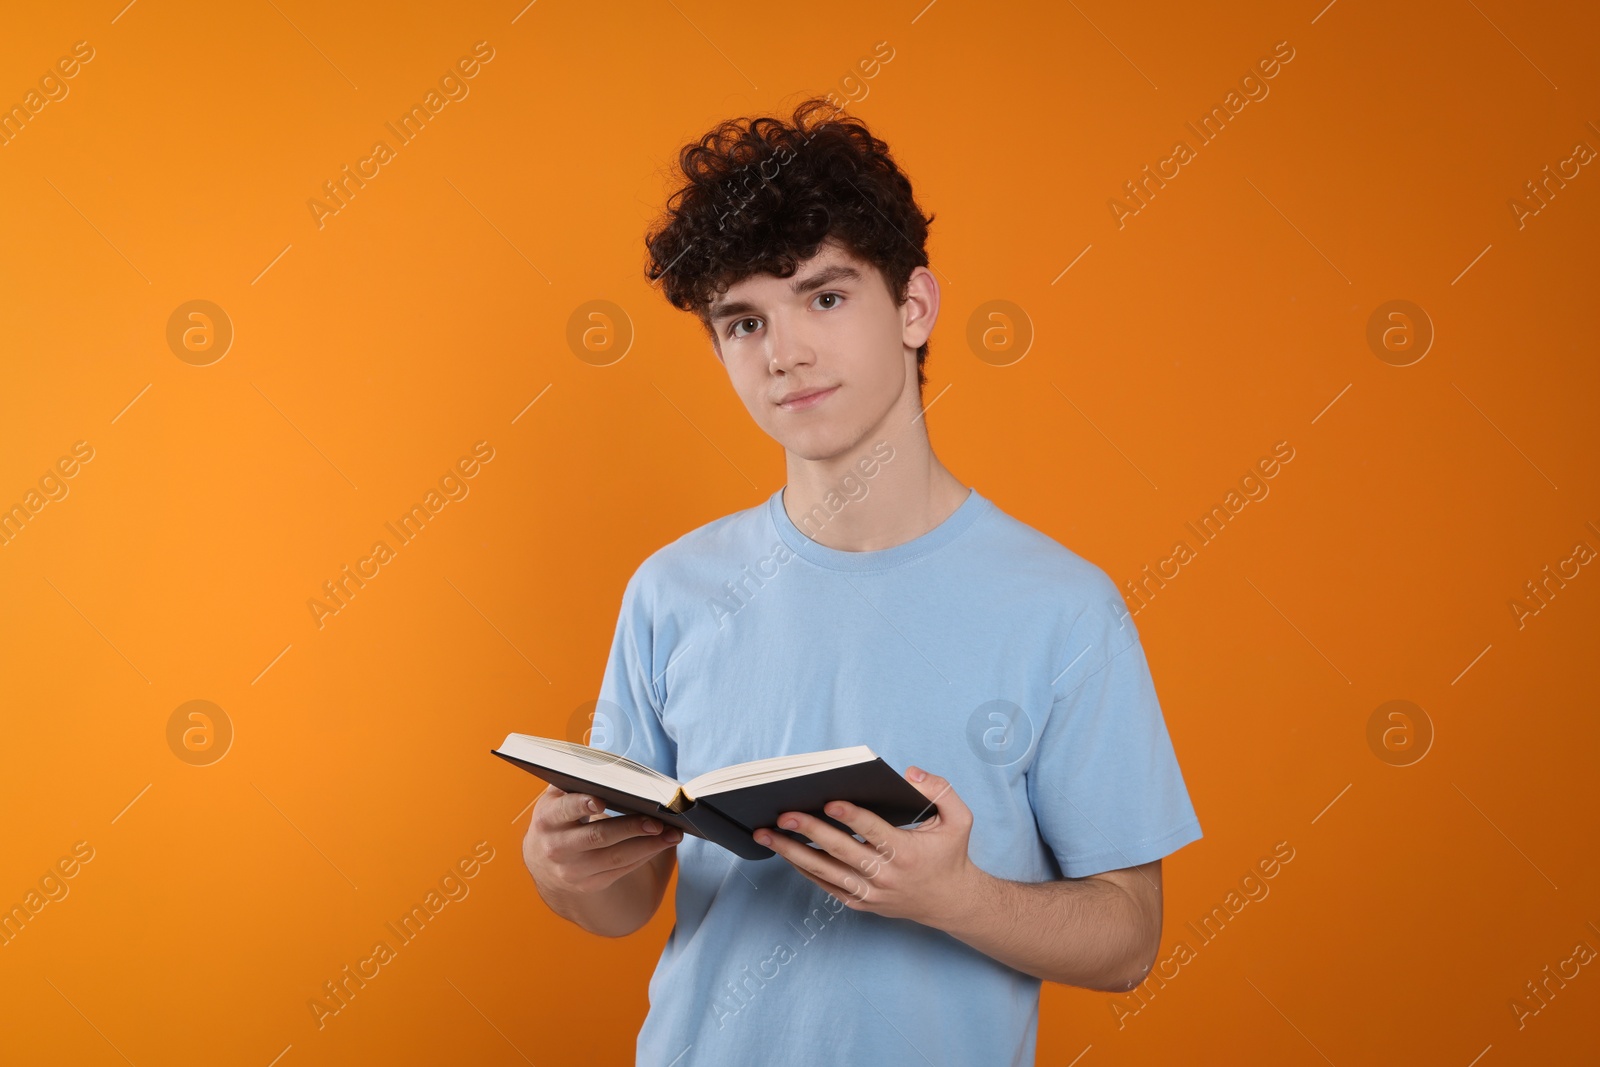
(615, 911)
(1081, 932)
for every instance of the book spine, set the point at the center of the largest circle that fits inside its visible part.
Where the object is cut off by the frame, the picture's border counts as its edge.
(680, 801)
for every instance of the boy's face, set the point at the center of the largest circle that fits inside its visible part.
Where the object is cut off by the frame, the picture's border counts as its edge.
(832, 326)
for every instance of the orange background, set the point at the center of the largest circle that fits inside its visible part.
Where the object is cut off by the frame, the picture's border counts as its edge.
(428, 314)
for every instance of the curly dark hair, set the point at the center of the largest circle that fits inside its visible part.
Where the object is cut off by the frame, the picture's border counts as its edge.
(761, 195)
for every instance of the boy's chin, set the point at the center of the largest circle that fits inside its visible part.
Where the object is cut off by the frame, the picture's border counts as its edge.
(819, 450)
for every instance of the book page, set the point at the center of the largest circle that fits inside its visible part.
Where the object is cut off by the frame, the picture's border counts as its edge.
(775, 768)
(592, 764)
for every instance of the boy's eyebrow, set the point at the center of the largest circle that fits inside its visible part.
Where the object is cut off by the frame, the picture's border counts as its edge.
(833, 273)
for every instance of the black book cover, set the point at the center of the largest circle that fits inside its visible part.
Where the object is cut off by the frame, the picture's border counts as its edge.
(729, 818)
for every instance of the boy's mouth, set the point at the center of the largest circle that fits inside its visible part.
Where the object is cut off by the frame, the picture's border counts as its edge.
(801, 399)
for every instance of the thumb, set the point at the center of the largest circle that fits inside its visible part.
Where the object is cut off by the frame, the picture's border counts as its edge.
(939, 792)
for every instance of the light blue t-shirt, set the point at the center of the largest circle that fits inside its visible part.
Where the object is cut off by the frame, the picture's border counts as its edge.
(982, 651)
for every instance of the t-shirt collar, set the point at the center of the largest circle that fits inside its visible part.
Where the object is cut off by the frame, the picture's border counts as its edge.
(957, 522)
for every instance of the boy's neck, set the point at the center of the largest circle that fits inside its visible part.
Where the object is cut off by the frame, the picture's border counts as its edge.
(907, 495)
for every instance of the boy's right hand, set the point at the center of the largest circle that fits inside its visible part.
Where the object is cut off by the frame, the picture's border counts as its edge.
(570, 847)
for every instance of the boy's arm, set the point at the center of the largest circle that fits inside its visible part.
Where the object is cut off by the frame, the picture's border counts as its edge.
(1099, 932)
(622, 907)
(606, 874)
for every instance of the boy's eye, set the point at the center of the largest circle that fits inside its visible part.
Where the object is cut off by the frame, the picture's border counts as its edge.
(733, 327)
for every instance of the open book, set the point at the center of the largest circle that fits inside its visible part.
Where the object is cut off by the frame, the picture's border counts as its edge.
(727, 805)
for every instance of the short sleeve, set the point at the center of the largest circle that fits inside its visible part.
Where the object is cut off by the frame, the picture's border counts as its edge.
(627, 718)
(1104, 783)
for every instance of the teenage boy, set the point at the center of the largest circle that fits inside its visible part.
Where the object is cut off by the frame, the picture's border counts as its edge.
(873, 599)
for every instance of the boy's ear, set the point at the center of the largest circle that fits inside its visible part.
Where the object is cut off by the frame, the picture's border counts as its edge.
(922, 301)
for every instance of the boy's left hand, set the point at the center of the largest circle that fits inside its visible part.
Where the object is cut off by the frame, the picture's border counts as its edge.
(922, 874)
